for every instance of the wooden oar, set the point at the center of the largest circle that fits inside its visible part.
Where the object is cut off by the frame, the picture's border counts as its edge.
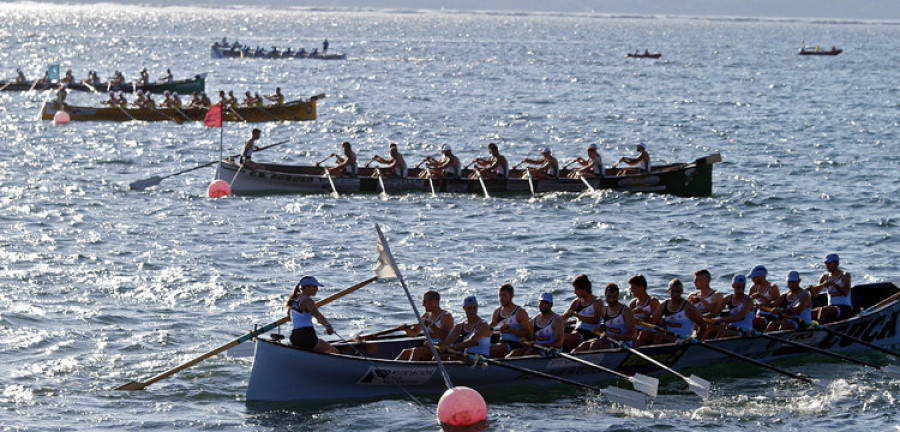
(124, 111)
(733, 354)
(331, 182)
(233, 111)
(263, 110)
(818, 326)
(380, 333)
(890, 369)
(323, 160)
(481, 180)
(155, 180)
(186, 117)
(642, 383)
(698, 385)
(165, 115)
(140, 385)
(621, 396)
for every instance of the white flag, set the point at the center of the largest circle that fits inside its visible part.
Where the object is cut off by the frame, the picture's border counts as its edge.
(385, 268)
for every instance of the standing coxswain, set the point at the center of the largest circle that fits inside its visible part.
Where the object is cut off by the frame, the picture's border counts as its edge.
(249, 148)
(302, 309)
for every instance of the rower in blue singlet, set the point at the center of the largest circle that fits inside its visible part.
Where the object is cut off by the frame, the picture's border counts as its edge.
(472, 336)
(302, 310)
(586, 309)
(837, 281)
(511, 321)
(677, 315)
(794, 306)
(736, 310)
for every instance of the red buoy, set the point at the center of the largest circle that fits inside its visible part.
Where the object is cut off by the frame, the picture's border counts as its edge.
(461, 406)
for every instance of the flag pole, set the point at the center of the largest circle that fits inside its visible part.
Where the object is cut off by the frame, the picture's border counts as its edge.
(385, 260)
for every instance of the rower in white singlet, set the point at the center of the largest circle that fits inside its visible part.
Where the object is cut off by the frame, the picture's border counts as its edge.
(837, 281)
(548, 166)
(438, 324)
(511, 321)
(678, 316)
(763, 294)
(549, 329)
(641, 161)
(736, 310)
(642, 306)
(618, 323)
(705, 298)
(794, 307)
(586, 309)
(494, 166)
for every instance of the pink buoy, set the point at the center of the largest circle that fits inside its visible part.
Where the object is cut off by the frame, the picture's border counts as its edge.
(461, 406)
(61, 117)
(219, 189)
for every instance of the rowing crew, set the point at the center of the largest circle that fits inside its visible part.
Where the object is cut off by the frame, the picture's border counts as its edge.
(145, 100)
(704, 314)
(495, 165)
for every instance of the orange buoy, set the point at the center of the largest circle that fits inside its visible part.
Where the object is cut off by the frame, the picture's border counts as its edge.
(461, 406)
(219, 188)
(61, 117)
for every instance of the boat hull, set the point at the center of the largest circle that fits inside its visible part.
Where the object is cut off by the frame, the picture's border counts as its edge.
(187, 86)
(218, 52)
(287, 374)
(690, 180)
(292, 111)
(820, 53)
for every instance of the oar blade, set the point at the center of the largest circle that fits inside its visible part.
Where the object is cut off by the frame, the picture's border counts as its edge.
(134, 385)
(645, 384)
(625, 397)
(145, 183)
(892, 370)
(699, 386)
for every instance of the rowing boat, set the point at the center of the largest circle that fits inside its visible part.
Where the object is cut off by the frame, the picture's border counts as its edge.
(816, 51)
(646, 55)
(220, 52)
(281, 372)
(687, 179)
(290, 111)
(185, 86)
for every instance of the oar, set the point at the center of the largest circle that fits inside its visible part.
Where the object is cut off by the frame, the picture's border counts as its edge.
(818, 326)
(621, 396)
(642, 383)
(430, 182)
(263, 110)
(186, 117)
(380, 333)
(889, 369)
(323, 160)
(138, 385)
(5, 86)
(124, 111)
(481, 180)
(331, 182)
(381, 182)
(734, 354)
(233, 111)
(584, 180)
(155, 180)
(696, 384)
(530, 181)
(164, 115)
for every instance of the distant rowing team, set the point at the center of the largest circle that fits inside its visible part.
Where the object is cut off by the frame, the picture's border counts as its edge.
(94, 80)
(198, 100)
(494, 165)
(259, 52)
(705, 314)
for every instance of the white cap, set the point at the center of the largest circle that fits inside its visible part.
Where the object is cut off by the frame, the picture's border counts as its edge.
(445, 148)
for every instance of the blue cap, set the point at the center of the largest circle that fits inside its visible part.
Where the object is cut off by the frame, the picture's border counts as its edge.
(592, 146)
(545, 150)
(470, 300)
(445, 148)
(831, 258)
(793, 276)
(547, 297)
(309, 281)
(759, 270)
(642, 145)
(738, 279)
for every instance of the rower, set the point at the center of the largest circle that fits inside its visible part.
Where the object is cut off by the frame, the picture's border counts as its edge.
(123, 103)
(149, 102)
(248, 100)
(325, 46)
(837, 281)
(139, 101)
(249, 148)
(590, 167)
(167, 99)
(20, 77)
(447, 166)
(302, 309)
(167, 77)
(494, 166)
(61, 97)
(92, 78)
(705, 298)
(117, 79)
(69, 78)
(618, 323)
(204, 100)
(314, 52)
(794, 306)
(678, 316)
(144, 77)
(395, 165)
(278, 98)
(196, 101)
(763, 294)
(586, 308)
(232, 101)
(112, 101)
(642, 160)
(438, 324)
(736, 310)
(473, 336)
(257, 100)
(511, 321)
(642, 307)
(223, 100)
(346, 164)
(548, 166)
(548, 329)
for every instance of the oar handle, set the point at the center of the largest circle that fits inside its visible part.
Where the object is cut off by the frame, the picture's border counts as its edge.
(323, 160)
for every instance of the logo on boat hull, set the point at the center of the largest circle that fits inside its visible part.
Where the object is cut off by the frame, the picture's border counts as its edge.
(397, 375)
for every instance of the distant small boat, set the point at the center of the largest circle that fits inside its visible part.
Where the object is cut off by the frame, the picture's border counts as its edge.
(645, 54)
(818, 51)
(219, 52)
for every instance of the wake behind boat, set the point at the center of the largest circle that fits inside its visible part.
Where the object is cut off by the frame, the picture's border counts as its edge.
(281, 372)
(693, 179)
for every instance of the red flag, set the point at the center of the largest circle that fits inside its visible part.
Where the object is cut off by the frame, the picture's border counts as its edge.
(214, 116)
